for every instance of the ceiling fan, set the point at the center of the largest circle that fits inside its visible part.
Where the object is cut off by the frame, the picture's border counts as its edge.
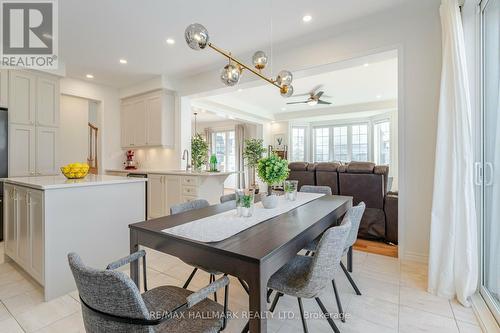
(314, 97)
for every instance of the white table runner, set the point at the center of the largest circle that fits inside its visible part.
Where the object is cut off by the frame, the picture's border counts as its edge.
(224, 225)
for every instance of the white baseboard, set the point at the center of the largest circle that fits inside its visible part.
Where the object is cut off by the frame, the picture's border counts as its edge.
(486, 320)
(414, 256)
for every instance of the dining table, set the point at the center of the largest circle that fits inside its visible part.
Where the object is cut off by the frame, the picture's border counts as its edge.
(252, 255)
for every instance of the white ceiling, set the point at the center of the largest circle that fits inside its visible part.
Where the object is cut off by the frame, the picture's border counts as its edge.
(366, 83)
(95, 34)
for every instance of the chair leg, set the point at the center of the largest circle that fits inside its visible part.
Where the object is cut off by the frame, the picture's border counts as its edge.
(190, 278)
(307, 253)
(212, 279)
(339, 303)
(269, 293)
(244, 285)
(275, 301)
(353, 284)
(301, 308)
(327, 315)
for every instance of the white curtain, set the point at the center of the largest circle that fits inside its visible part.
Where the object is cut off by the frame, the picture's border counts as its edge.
(453, 253)
(239, 136)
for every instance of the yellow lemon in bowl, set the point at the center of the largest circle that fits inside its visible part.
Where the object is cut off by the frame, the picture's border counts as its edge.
(75, 170)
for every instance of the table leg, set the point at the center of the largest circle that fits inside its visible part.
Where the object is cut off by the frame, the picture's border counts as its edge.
(134, 265)
(258, 303)
(349, 260)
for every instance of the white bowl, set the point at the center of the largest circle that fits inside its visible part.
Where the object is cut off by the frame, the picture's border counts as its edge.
(269, 201)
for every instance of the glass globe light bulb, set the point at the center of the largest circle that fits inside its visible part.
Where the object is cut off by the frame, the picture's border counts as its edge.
(312, 102)
(259, 60)
(284, 78)
(230, 75)
(286, 90)
(196, 36)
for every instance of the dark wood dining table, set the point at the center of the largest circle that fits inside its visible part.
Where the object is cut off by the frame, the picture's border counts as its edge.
(252, 255)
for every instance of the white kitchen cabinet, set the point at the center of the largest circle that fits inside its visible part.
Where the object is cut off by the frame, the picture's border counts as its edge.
(46, 151)
(173, 190)
(33, 123)
(148, 120)
(22, 150)
(4, 87)
(22, 97)
(24, 228)
(156, 196)
(47, 107)
(10, 215)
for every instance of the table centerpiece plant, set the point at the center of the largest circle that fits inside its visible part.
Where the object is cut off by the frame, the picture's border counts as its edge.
(272, 170)
(252, 153)
(199, 151)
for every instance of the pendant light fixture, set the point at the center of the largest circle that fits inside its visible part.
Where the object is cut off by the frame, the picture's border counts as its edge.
(197, 38)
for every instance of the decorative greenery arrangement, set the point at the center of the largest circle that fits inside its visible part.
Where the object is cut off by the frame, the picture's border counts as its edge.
(254, 148)
(199, 151)
(246, 201)
(253, 151)
(273, 170)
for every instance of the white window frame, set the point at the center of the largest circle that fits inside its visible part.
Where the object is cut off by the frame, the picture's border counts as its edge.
(379, 121)
(306, 140)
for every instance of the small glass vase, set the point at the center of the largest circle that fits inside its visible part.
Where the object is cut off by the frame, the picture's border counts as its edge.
(245, 202)
(291, 189)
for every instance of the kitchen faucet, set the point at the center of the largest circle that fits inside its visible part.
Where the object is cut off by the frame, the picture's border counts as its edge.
(185, 157)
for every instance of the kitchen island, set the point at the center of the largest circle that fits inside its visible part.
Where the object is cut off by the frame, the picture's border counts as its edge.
(47, 217)
(170, 187)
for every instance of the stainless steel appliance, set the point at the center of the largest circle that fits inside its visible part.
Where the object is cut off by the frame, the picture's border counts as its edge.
(3, 159)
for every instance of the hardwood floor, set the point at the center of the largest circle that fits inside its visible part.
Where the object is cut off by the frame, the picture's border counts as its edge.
(376, 247)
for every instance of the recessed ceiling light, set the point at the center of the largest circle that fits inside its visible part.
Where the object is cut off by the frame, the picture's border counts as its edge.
(283, 109)
(366, 64)
(240, 90)
(307, 18)
(89, 76)
(123, 61)
(272, 121)
(379, 96)
(203, 111)
(231, 117)
(170, 41)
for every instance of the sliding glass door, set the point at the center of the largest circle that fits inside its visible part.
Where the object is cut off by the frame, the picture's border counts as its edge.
(490, 175)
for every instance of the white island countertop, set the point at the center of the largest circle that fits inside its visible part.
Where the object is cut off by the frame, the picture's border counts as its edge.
(57, 182)
(174, 172)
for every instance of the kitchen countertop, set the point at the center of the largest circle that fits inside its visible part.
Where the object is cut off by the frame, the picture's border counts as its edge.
(57, 182)
(174, 172)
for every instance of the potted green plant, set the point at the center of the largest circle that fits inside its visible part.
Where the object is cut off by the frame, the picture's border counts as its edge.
(252, 153)
(272, 170)
(199, 151)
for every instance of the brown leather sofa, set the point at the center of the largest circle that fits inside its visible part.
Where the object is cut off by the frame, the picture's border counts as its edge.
(364, 181)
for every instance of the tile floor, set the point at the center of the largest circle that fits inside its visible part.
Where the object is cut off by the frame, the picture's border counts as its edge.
(394, 300)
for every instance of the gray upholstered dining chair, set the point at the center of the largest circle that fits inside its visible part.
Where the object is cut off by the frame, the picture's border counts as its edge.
(111, 302)
(355, 214)
(308, 276)
(316, 189)
(228, 197)
(192, 205)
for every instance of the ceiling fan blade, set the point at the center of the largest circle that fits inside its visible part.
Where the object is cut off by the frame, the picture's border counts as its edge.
(313, 90)
(297, 102)
(323, 102)
(319, 94)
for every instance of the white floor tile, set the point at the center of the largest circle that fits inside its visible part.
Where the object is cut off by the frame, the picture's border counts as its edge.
(425, 301)
(412, 320)
(464, 327)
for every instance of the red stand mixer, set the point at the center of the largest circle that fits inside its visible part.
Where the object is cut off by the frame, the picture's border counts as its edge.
(130, 164)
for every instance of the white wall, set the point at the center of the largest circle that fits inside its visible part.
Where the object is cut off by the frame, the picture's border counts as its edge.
(109, 113)
(414, 29)
(74, 117)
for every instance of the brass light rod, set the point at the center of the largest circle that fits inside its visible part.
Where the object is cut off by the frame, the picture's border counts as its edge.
(230, 57)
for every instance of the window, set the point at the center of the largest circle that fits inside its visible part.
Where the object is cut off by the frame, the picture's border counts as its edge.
(224, 147)
(343, 143)
(322, 144)
(382, 144)
(340, 147)
(359, 150)
(298, 144)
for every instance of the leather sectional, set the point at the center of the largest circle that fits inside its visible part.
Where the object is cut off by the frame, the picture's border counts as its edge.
(364, 181)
